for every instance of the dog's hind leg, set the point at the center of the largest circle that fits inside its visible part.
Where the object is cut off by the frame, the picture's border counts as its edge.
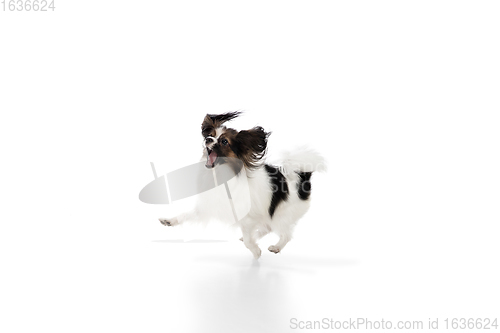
(285, 233)
(260, 232)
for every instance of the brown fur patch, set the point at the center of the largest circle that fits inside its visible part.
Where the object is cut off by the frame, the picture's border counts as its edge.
(228, 134)
(213, 121)
(250, 146)
(226, 150)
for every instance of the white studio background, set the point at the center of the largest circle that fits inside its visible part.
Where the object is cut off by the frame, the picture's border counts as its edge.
(402, 98)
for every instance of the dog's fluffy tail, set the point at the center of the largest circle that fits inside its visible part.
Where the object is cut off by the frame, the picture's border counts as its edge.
(302, 159)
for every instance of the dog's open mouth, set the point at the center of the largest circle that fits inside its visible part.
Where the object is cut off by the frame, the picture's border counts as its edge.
(211, 158)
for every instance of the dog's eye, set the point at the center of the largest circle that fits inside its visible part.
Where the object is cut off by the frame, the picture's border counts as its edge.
(224, 142)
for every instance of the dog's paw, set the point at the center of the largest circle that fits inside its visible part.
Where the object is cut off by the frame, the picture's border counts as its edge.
(274, 249)
(168, 222)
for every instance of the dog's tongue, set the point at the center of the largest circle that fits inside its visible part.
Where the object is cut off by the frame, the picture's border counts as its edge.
(211, 158)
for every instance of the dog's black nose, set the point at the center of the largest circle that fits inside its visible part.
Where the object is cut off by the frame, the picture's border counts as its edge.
(208, 140)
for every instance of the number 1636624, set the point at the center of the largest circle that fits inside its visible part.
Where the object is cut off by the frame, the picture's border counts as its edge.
(27, 5)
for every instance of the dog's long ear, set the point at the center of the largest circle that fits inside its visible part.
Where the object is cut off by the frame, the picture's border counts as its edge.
(251, 146)
(207, 126)
(212, 121)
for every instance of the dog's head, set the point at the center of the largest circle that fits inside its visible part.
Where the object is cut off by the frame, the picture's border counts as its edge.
(222, 143)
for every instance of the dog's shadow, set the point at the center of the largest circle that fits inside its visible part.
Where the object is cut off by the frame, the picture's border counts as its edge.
(193, 241)
(248, 295)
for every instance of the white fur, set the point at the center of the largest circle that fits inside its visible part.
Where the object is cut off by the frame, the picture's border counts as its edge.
(218, 132)
(302, 159)
(214, 204)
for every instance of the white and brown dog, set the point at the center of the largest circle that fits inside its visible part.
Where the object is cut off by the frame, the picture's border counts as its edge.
(279, 195)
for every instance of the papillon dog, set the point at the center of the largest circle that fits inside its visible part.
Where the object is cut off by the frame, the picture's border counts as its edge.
(277, 196)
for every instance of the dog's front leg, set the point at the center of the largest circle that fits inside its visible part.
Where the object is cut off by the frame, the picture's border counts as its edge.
(173, 221)
(248, 229)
